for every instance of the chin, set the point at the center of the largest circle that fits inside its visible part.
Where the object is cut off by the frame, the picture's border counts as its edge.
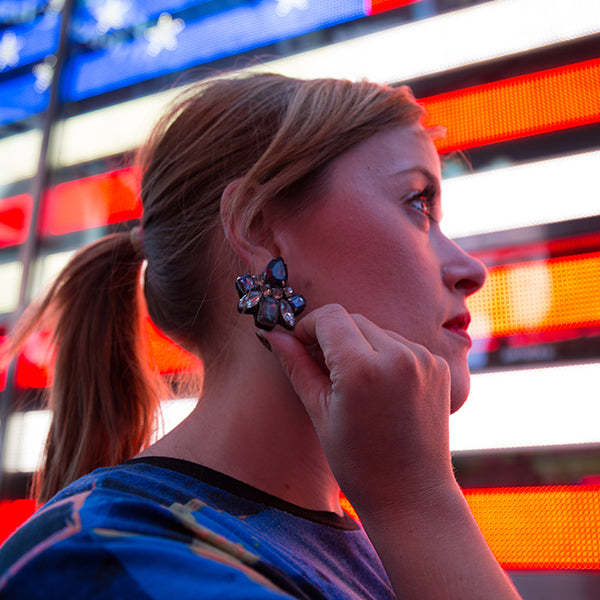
(459, 392)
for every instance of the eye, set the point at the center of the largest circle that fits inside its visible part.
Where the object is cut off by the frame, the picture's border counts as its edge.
(425, 202)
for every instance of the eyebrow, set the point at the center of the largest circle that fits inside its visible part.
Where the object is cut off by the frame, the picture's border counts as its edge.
(431, 178)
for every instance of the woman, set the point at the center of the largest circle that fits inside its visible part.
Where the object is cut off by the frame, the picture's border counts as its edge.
(341, 182)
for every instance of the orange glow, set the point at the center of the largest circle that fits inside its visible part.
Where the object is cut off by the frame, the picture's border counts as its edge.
(92, 202)
(165, 355)
(34, 364)
(554, 527)
(540, 527)
(539, 296)
(521, 106)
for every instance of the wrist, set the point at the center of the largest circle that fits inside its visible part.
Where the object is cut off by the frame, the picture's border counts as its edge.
(417, 499)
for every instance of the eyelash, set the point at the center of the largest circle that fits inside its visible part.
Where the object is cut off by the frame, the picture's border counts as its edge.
(428, 198)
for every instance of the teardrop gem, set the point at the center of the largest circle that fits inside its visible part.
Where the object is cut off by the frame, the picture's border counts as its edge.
(248, 302)
(287, 314)
(276, 273)
(244, 283)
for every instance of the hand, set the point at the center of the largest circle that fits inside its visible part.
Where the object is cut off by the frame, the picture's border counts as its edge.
(379, 403)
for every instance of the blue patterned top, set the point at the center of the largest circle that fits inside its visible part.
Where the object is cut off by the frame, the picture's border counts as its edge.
(161, 528)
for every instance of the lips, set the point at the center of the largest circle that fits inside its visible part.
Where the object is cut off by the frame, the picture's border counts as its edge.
(459, 322)
(459, 325)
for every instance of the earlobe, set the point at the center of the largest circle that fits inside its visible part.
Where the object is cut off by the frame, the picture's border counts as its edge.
(245, 225)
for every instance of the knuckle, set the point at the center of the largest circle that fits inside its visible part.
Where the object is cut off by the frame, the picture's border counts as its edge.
(359, 319)
(441, 364)
(404, 358)
(333, 310)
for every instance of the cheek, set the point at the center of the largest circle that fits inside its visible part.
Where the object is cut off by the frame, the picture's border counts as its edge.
(371, 262)
(333, 252)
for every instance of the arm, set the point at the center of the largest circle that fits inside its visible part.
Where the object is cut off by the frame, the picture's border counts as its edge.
(435, 549)
(380, 405)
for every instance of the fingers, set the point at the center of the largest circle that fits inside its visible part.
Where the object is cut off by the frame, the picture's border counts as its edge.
(332, 351)
(326, 343)
(333, 329)
(379, 402)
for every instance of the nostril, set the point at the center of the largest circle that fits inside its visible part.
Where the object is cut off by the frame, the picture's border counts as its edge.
(468, 285)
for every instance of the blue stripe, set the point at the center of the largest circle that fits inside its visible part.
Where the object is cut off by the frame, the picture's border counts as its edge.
(220, 35)
(36, 40)
(85, 26)
(20, 99)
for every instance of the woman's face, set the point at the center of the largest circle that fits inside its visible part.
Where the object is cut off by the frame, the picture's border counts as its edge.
(372, 243)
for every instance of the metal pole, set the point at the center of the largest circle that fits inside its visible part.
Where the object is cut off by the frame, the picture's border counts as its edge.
(29, 249)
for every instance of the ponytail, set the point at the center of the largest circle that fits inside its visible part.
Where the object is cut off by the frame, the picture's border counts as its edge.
(104, 397)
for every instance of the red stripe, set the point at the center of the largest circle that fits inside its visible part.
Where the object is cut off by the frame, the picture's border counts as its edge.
(513, 108)
(15, 217)
(379, 6)
(92, 202)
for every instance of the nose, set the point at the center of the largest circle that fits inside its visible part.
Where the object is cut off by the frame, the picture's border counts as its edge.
(461, 271)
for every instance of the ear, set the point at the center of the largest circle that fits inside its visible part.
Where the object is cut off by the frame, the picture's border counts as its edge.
(253, 244)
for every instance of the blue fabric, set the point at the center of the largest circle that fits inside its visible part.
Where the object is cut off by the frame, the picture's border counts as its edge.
(163, 528)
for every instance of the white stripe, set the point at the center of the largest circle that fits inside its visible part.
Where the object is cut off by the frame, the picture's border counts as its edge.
(456, 39)
(26, 434)
(10, 284)
(525, 408)
(19, 157)
(530, 407)
(27, 431)
(459, 38)
(108, 131)
(530, 194)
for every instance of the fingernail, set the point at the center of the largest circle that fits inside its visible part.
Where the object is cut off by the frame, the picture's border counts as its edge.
(263, 340)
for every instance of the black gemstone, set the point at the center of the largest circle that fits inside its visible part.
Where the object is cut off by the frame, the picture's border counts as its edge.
(243, 284)
(267, 315)
(297, 302)
(276, 273)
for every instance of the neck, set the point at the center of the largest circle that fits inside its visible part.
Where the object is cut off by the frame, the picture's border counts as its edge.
(250, 424)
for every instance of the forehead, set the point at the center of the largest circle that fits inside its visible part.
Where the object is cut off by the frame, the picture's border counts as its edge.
(391, 151)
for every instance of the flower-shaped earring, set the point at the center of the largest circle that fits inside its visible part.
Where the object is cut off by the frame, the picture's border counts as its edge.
(269, 298)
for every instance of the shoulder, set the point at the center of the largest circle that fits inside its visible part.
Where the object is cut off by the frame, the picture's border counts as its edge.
(126, 529)
(148, 531)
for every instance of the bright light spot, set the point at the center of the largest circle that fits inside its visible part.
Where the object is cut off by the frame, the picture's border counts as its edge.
(284, 7)
(110, 14)
(163, 36)
(10, 46)
(44, 72)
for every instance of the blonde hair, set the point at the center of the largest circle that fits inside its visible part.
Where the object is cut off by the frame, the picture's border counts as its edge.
(274, 134)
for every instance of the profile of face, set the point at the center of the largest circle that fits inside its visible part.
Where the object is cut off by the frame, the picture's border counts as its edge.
(372, 242)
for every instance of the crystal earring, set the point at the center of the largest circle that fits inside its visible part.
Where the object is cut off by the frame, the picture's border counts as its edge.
(268, 297)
